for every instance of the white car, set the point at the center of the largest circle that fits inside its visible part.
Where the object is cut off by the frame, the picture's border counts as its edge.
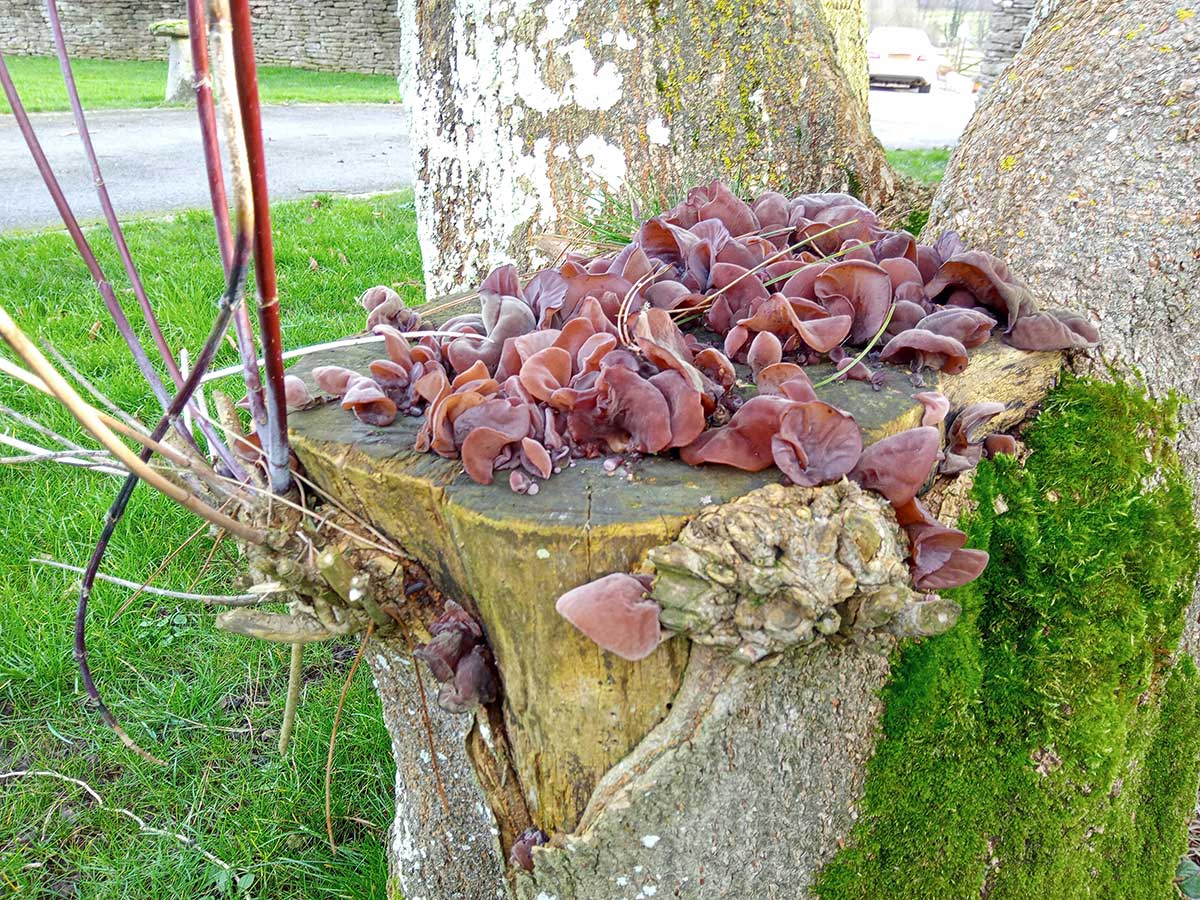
(902, 56)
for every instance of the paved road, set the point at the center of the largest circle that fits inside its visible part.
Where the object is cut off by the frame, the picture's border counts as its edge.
(904, 119)
(152, 162)
(151, 158)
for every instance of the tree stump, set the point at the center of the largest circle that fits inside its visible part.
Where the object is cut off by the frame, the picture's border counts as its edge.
(685, 772)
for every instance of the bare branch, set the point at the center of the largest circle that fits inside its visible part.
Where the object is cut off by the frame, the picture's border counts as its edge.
(346, 342)
(89, 417)
(41, 429)
(250, 599)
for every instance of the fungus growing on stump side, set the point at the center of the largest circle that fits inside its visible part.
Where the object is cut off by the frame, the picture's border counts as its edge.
(522, 848)
(459, 660)
(614, 612)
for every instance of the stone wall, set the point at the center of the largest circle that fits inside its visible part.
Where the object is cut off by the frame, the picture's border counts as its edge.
(338, 35)
(1006, 33)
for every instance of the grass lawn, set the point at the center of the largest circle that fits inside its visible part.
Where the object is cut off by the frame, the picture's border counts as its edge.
(125, 84)
(206, 702)
(923, 165)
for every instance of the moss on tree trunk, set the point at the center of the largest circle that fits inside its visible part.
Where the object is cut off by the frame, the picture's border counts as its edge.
(1048, 746)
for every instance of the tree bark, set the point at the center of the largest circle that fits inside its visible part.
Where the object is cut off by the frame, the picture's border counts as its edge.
(849, 26)
(1080, 170)
(522, 111)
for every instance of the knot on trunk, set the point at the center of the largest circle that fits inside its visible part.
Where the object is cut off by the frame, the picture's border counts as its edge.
(787, 566)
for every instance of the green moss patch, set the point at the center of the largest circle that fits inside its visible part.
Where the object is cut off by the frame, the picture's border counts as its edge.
(1048, 746)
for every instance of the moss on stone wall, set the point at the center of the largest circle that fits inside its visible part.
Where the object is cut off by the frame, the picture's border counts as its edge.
(1048, 746)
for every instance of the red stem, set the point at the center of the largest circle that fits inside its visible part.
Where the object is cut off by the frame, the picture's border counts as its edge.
(209, 138)
(118, 236)
(275, 436)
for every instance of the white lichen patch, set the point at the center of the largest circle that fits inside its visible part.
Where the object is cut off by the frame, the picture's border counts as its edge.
(603, 161)
(658, 131)
(650, 841)
(559, 16)
(590, 87)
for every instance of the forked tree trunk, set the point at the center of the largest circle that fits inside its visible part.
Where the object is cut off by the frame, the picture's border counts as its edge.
(687, 774)
(1080, 170)
(522, 110)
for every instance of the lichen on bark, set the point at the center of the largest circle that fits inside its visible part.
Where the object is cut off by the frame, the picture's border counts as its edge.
(522, 110)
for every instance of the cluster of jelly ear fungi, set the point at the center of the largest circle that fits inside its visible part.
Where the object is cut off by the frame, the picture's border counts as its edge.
(634, 353)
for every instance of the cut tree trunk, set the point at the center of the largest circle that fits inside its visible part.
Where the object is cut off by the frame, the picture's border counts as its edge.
(521, 112)
(689, 773)
(1080, 170)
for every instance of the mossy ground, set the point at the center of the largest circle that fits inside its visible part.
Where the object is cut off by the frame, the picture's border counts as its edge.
(1048, 746)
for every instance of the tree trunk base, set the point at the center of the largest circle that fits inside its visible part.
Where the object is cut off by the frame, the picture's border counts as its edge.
(744, 791)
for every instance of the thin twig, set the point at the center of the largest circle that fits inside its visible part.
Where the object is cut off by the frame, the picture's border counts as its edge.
(82, 459)
(36, 454)
(103, 399)
(437, 769)
(212, 552)
(209, 136)
(333, 737)
(845, 371)
(319, 519)
(143, 826)
(90, 418)
(345, 342)
(39, 428)
(295, 670)
(158, 570)
(425, 720)
(207, 599)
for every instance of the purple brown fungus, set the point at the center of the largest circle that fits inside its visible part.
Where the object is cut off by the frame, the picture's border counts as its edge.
(615, 613)
(459, 660)
(522, 848)
(964, 448)
(636, 352)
